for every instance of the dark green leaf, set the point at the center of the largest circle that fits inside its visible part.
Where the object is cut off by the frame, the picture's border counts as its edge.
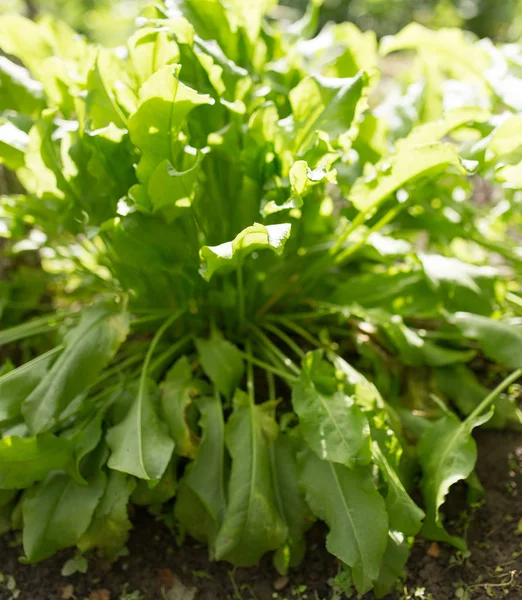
(57, 513)
(222, 362)
(252, 524)
(88, 349)
(331, 422)
(351, 504)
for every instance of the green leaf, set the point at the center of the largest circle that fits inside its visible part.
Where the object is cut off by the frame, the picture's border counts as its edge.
(89, 347)
(393, 564)
(164, 104)
(7, 505)
(13, 144)
(412, 348)
(77, 564)
(109, 97)
(149, 50)
(221, 361)
(430, 133)
(302, 178)
(172, 189)
(290, 502)
(466, 392)
(325, 104)
(447, 453)
(351, 503)
(57, 513)
(25, 461)
(331, 423)
(252, 524)
(249, 15)
(443, 270)
(162, 492)
(19, 91)
(24, 39)
(510, 175)
(140, 445)
(500, 341)
(403, 514)
(110, 526)
(229, 255)
(178, 392)
(201, 500)
(442, 54)
(17, 384)
(391, 173)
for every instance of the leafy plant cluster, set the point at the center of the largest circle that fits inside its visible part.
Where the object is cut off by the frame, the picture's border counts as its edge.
(278, 280)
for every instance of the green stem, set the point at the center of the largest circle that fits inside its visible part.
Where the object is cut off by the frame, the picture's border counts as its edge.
(271, 386)
(514, 299)
(350, 228)
(268, 367)
(152, 348)
(35, 327)
(391, 214)
(119, 367)
(285, 338)
(287, 362)
(149, 319)
(250, 372)
(240, 293)
(490, 398)
(302, 332)
(169, 353)
(299, 316)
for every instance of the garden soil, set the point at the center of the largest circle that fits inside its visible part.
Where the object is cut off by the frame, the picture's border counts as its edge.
(157, 569)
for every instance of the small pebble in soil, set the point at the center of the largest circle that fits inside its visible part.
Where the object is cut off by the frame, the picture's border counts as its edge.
(281, 582)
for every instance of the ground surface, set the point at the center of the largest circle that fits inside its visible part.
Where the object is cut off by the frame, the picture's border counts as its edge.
(156, 569)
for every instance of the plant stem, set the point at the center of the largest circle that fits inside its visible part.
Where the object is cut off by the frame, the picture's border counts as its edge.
(152, 347)
(119, 367)
(240, 293)
(269, 368)
(35, 327)
(490, 398)
(271, 386)
(250, 372)
(391, 214)
(302, 332)
(287, 362)
(514, 299)
(149, 319)
(285, 338)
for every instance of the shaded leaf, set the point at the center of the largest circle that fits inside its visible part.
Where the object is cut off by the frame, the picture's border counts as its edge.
(500, 341)
(403, 514)
(17, 384)
(88, 349)
(351, 504)
(331, 423)
(110, 526)
(291, 503)
(201, 501)
(140, 445)
(57, 513)
(447, 454)
(252, 524)
(221, 361)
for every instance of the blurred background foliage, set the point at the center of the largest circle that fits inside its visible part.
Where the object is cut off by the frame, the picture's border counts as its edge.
(109, 21)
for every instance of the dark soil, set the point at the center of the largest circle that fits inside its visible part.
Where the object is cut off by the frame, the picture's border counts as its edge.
(156, 565)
